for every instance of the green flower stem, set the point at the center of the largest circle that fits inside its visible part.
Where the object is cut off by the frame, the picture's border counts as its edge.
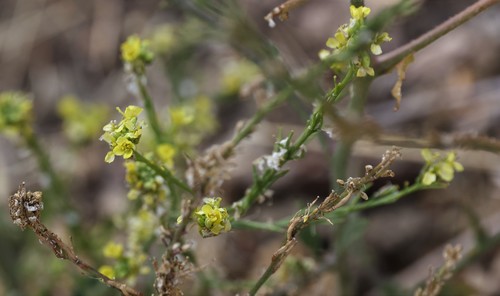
(385, 199)
(150, 110)
(175, 200)
(314, 213)
(165, 173)
(343, 151)
(387, 61)
(255, 225)
(261, 184)
(340, 162)
(334, 95)
(271, 269)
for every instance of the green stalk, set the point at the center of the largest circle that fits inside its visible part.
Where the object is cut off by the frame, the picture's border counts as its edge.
(150, 110)
(261, 184)
(165, 173)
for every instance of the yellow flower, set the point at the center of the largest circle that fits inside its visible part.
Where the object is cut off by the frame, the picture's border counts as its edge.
(124, 147)
(364, 66)
(211, 218)
(123, 136)
(359, 13)
(166, 153)
(339, 40)
(113, 250)
(107, 271)
(134, 49)
(180, 116)
(15, 112)
(379, 39)
(130, 112)
(131, 48)
(438, 167)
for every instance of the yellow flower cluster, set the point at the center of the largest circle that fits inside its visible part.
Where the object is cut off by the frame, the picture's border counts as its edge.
(15, 113)
(123, 136)
(113, 250)
(236, 74)
(439, 168)
(189, 124)
(136, 50)
(345, 34)
(211, 218)
(81, 122)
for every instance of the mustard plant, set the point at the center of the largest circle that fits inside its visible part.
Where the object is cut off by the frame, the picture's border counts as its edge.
(174, 185)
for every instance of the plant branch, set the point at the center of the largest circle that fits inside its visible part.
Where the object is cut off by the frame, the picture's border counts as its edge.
(25, 209)
(150, 110)
(270, 175)
(330, 204)
(384, 63)
(165, 173)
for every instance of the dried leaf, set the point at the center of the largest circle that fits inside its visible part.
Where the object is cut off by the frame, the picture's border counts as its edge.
(401, 68)
(281, 11)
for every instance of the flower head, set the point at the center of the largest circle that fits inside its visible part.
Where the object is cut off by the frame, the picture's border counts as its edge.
(379, 39)
(363, 65)
(81, 121)
(124, 147)
(15, 112)
(166, 153)
(131, 48)
(113, 250)
(108, 271)
(439, 168)
(123, 136)
(136, 53)
(211, 218)
(359, 13)
(339, 43)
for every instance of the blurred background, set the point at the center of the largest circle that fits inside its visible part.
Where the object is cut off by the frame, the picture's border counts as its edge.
(53, 49)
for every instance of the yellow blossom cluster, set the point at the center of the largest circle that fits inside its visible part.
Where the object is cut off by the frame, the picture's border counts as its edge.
(81, 122)
(211, 218)
(123, 136)
(344, 36)
(15, 113)
(439, 168)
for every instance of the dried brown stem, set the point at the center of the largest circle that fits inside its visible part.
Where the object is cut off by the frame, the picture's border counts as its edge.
(334, 201)
(387, 61)
(281, 11)
(25, 208)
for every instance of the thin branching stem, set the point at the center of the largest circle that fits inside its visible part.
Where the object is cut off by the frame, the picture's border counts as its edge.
(150, 110)
(164, 172)
(270, 175)
(330, 204)
(385, 62)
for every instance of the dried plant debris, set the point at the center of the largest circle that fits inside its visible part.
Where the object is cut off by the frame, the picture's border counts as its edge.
(25, 208)
(451, 254)
(281, 11)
